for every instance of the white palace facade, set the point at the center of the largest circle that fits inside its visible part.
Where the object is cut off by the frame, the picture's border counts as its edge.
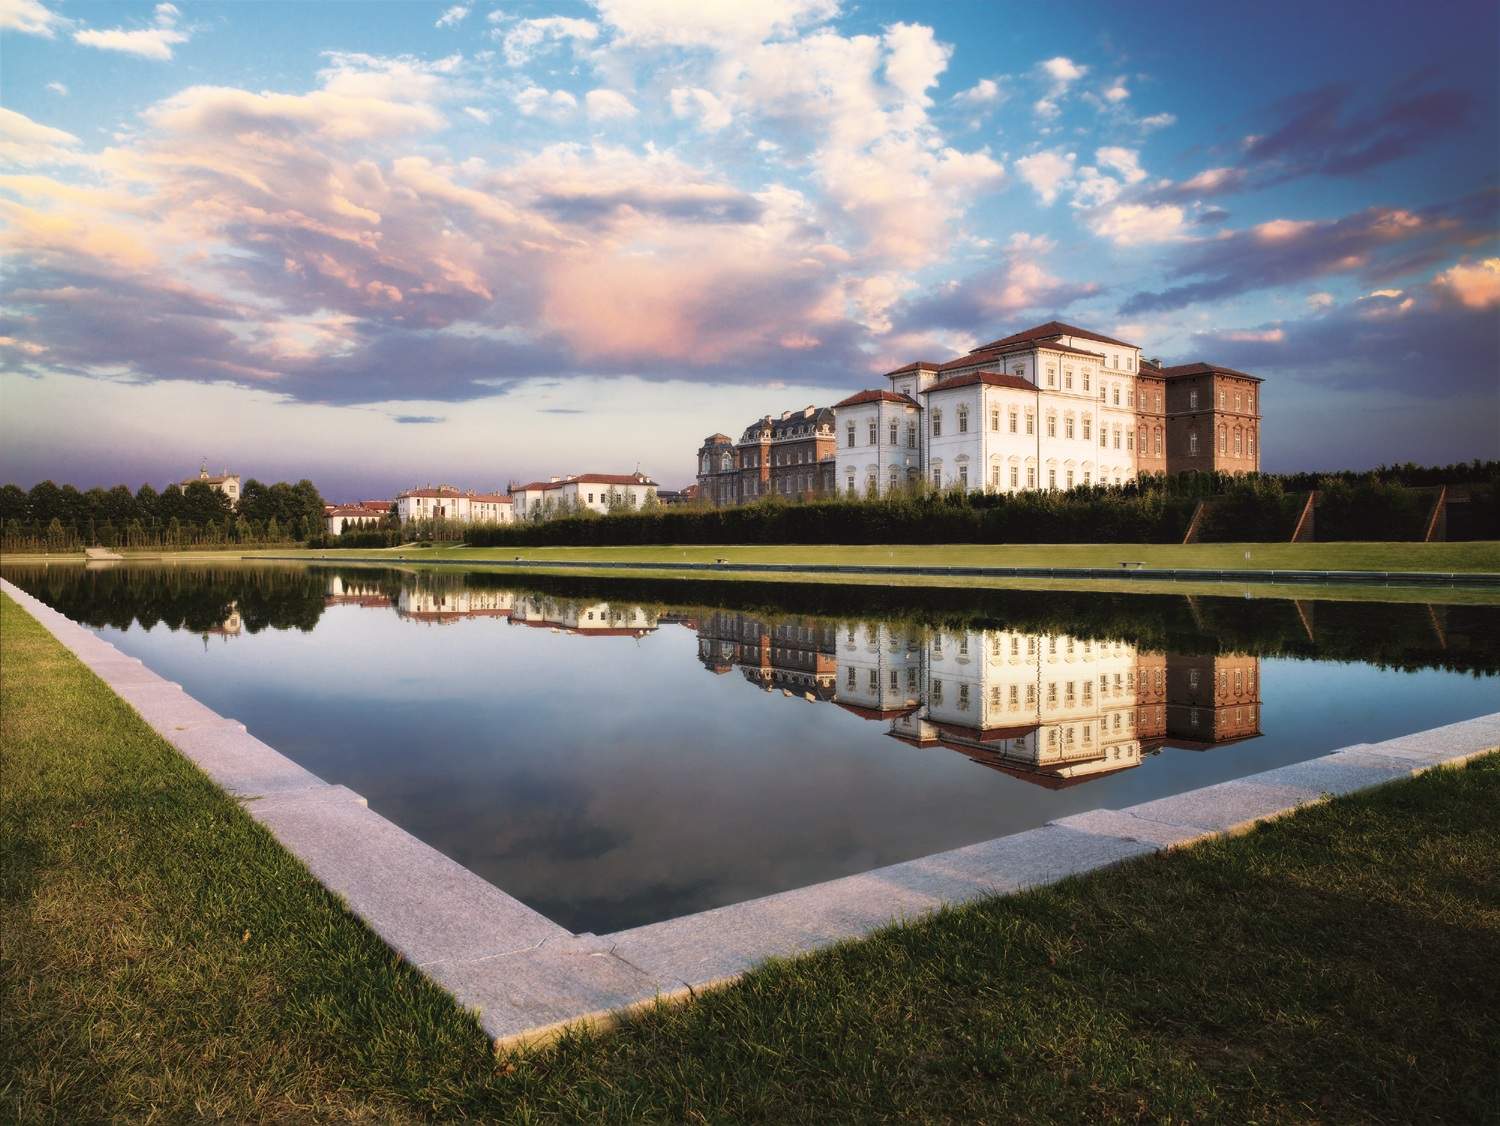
(1050, 408)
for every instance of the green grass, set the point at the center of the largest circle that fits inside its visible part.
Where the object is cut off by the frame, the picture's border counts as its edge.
(162, 957)
(1481, 556)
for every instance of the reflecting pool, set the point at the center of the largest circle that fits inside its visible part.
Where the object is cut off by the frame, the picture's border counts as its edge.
(615, 752)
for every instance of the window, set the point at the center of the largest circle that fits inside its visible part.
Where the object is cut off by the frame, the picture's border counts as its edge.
(1223, 399)
(1117, 437)
(1052, 426)
(1086, 477)
(895, 480)
(1014, 473)
(1115, 394)
(849, 677)
(895, 429)
(1237, 438)
(937, 424)
(1156, 434)
(1068, 427)
(1051, 478)
(874, 432)
(1087, 428)
(963, 420)
(994, 476)
(963, 476)
(994, 418)
(1068, 378)
(1250, 444)
(1051, 376)
(1130, 439)
(1031, 476)
(937, 478)
(851, 484)
(1030, 423)
(1070, 478)
(1193, 443)
(849, 436)
(1012, 420)
(1103, 437)
(1130, 399)
(1192, 400)
(1086, 379)
(911, 435)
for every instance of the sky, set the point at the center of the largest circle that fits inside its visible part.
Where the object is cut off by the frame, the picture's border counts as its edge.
(389, 244)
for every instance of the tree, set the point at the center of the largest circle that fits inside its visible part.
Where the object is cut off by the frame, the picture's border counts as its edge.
(13, 504)
(147, 505)
(44, 503)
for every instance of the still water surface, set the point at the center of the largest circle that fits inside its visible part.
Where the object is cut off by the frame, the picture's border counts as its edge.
(618, 753)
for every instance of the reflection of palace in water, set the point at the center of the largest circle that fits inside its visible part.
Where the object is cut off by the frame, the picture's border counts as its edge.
(1052, 709)
(593, 619)
(797, 656)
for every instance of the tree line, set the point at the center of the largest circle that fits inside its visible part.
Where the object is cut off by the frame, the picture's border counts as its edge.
(1151, 509)
(52, 517)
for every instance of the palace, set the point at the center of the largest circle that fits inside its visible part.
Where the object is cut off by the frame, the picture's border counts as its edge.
(595, 492)
(227, 483)
(788, 456)
(452, 504)
(1052, 407)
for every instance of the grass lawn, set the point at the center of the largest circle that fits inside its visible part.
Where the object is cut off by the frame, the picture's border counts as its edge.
(161, 956)
(1445, 557)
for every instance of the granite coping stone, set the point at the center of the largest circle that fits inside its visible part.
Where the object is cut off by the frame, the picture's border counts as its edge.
(1227, 807)
(238, 761)
(526, 995)
(723, 942)
(427, 907)
(526, 976)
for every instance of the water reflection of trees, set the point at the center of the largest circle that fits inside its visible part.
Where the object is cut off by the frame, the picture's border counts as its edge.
(201, 598)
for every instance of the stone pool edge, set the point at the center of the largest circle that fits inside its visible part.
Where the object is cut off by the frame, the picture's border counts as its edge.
(527, 978)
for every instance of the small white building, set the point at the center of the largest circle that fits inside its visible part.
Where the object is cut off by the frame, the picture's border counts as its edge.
(453, 505)
(227, 483)
(361, 514)
(595, 492)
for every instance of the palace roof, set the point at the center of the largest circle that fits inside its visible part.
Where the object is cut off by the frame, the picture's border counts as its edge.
(988, 378)
(874, 396)
(1201, 368)
(1050, 329)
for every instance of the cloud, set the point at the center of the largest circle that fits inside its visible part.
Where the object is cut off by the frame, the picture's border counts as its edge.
(1424, 345)
(1136, 224)
(707, 109)
(154, 43)
(1475, 286)
(1063, 71)
(554, 105)
(1124, 161)
(1320, 134)
(1048, 173)
(525, 38)
(479, 115)
(987, 92)
(28, 143)
(417, 419)
(609, 105)
(58, 88)
(1377, 243)
(1318, 302)
(453, 16)
(981, 303)
(1116, 92)
(31, 17)
(691, 23)
(1158, 121)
